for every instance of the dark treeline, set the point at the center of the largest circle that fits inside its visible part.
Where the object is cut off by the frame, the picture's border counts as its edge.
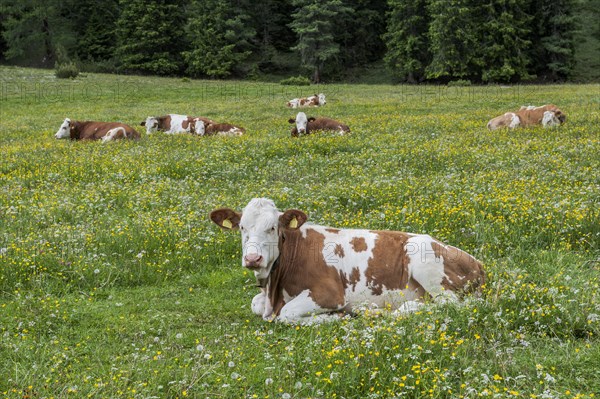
(417, 40)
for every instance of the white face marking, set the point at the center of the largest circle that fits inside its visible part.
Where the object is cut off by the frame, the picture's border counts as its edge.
(550, 119)
(199, 127)
(65, 130)
(177, 124)
(301, 122)
(151, 125)
(322, 99)
(259, 227)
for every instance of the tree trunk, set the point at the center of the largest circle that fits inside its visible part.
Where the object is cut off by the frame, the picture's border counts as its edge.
(317, 75)
(47, 61)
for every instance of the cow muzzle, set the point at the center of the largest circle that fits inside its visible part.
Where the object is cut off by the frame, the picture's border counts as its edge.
(253, 261)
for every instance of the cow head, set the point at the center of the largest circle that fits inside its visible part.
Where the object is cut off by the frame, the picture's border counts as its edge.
(199, 127)
(322, 99)
(64, 131)
(301, 122)
(553, 117)
(559, 116)
(261, 226)
(151, 124)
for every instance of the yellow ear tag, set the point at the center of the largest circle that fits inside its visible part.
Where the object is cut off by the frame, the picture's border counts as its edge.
(293, 223)
(227, 223)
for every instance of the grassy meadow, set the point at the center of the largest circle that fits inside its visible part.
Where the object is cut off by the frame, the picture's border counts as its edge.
(115, 284)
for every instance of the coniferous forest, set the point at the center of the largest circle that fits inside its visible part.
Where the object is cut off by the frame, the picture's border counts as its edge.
(479, 41)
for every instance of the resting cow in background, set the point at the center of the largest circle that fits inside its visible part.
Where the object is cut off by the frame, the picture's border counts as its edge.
(170, 124)
(305, 126)
(91, 130)
(307, 272)
(312, 101)
(203, 127)
(546, 115)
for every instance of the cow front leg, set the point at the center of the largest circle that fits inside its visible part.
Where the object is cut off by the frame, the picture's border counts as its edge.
(303, 309)
(258, 302)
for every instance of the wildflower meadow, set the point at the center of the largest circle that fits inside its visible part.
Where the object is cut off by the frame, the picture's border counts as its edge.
(115, 284)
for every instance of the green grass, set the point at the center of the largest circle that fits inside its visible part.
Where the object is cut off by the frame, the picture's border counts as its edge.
(114, 283)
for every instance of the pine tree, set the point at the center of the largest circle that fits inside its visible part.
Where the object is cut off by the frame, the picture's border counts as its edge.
(505, 27)
(314, 23)
(269, 20)
(97, 29)
(554, 41)
(360, 32)
(406, 39)
(454, 41)
(147, 38)
(219, 33)
(3, 45)
(36, 33)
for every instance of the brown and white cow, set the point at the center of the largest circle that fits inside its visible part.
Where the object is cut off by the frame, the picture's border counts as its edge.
(312, 101)
(305, 126)
(308, 273)
(171, 123)
(546, 115)
(92, 130)
(203, 127)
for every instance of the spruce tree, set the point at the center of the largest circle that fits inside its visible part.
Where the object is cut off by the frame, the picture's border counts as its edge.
(148, 40)
(505, 29)
(269, 20)
(36, 33)
(454, 41)
(360, 32)
(314, 23)
(97, 30)
(219, 33)
(554, 41)
(406, 39)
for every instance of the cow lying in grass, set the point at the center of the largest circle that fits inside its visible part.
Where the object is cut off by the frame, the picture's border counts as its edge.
(305, 126)
(546, 115)
(171, 123)
(312, 101)
(92, 130)
(202, 127)
(310, 273)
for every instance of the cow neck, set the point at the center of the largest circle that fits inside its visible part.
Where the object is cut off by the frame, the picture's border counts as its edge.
(263, 282)
(286, 262)
(74, 132)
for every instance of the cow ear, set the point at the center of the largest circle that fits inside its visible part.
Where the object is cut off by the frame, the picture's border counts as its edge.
(292, 219)
(143, 123)
(226, 218)
(291, 120)
(311, 119)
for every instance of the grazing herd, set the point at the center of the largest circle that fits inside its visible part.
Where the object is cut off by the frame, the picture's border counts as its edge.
(310, 273)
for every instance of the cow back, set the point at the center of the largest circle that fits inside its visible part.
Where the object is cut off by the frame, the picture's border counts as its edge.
(92, 130)
(327, 124)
